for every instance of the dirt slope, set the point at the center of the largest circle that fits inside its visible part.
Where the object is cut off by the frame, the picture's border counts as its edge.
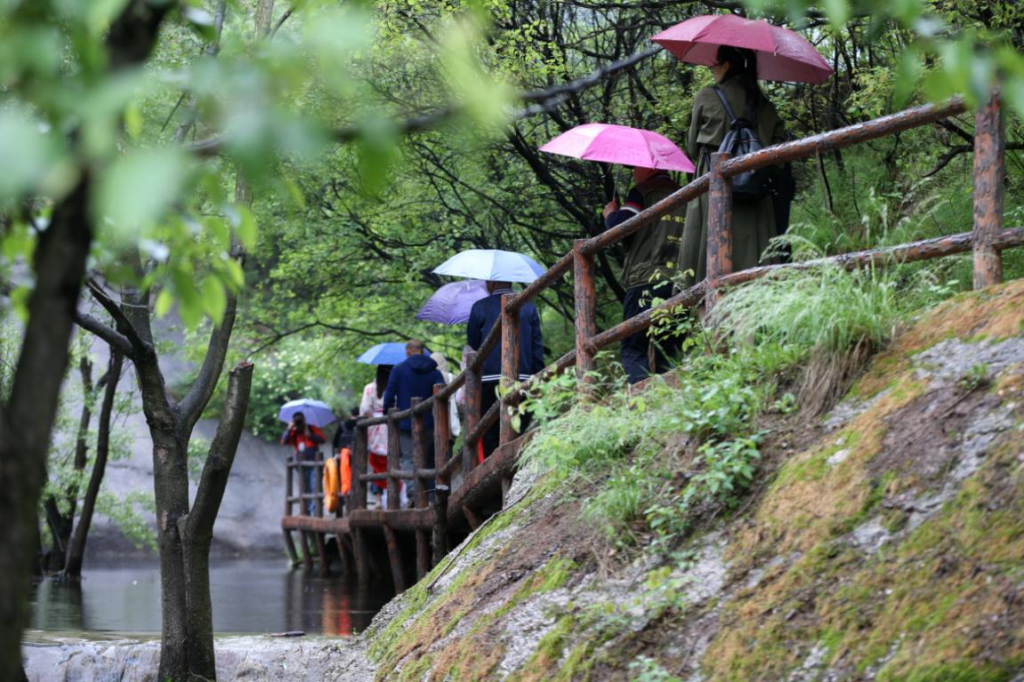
(884, 541)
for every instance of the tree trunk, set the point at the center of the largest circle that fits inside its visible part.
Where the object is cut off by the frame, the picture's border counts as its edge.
(76, 549)
(170, 485)
(26, 420)
(197, 528)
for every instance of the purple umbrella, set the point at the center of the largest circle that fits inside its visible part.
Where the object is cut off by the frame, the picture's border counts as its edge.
(451, 303)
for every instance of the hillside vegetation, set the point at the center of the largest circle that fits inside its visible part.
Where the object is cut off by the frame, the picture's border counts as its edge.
(883, 540)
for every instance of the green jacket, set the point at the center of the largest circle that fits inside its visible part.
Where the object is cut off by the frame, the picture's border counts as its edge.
(650, 253)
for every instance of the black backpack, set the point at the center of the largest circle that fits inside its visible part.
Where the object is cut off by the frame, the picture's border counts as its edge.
(739, 140)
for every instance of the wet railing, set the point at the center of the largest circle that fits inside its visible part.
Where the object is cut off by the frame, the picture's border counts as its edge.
(986, 240)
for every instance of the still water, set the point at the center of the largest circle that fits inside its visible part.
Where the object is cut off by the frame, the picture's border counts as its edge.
(249, 596)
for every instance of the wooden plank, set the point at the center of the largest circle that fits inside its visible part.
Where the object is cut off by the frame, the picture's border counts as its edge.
(397, 519)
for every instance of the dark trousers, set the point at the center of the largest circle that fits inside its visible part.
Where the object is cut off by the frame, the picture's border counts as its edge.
(492, 437)
(636, 349)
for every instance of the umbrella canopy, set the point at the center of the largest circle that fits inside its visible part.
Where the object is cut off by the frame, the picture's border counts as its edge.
(317, 413)
(452, 303)
(492, 264)
(390, 353)
(620, 144)
(782, 55)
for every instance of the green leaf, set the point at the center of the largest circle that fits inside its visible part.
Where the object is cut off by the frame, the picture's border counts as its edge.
(245, 225)
(27, 154)
(133, 120)
(138, 188)
(838, 13)
(164, 301)
(215, 301)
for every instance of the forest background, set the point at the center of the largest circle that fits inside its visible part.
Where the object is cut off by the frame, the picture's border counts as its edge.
(338, 268)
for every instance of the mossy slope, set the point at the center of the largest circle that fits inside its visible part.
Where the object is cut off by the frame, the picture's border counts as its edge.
(890, 548)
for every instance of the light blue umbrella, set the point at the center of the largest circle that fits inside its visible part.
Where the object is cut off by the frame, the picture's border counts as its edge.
(316, 413)
(385, 354)
(492, 264)
(452, 303)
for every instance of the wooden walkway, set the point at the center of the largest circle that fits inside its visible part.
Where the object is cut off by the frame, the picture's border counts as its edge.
(400, 543)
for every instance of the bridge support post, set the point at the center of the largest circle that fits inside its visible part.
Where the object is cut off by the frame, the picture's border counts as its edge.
(989, 173)
(357, 495)
(509, 366)
(394, 453)
(719, 227)
(289, 541)
(474, 402)
(442, 486)
(419, 462)
(395, 557)
(586, 312)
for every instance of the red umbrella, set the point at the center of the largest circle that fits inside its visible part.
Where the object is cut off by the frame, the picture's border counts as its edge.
(782, 55)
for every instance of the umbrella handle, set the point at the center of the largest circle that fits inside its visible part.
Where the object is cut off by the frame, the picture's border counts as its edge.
(608, 181)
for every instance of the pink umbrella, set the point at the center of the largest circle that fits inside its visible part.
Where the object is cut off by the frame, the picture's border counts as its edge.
(622, 145)
(782, 55)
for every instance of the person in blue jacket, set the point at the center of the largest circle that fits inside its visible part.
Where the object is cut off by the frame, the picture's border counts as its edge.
(484, 314)
(414, 377)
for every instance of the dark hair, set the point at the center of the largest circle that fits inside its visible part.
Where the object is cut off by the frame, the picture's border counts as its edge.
(383, 372)
(743, 65)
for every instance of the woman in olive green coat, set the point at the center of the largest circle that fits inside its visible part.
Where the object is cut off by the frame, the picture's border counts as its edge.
(753, 221)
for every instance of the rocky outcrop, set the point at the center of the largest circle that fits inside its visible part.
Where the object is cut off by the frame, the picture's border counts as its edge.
(252, 659)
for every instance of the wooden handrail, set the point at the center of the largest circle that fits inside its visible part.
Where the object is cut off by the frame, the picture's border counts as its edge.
(987, 240)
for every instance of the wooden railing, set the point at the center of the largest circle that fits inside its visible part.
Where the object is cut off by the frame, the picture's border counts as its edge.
(986, 240)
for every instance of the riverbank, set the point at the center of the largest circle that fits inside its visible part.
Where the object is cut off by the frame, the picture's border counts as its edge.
(253, 659)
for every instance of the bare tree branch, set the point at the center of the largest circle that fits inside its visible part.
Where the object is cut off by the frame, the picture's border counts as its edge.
(115, 340)
(543, 102)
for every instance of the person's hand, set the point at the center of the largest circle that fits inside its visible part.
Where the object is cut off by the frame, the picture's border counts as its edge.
(611, 207)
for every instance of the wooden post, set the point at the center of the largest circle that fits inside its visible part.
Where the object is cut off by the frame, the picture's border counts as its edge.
(509, 367)
(474, 397)
(290, 485)
(359, 458)
(394, 453)
(586, 311)
(394, 556)
(422, 553)
(719, 226)
(307, 554)
(419, 459)
(989, 173)
(362, 552)
(442, 438)
(318, 483)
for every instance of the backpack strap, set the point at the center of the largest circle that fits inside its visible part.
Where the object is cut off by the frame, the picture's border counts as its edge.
(725, 103)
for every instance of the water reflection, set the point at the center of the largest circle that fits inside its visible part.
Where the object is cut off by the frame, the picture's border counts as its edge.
(249, 596)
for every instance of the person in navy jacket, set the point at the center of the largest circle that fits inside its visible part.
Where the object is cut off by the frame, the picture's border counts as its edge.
(484, 315)
(414, 377)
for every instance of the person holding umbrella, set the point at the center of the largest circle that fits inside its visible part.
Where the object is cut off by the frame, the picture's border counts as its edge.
(654, 250)
(650, 257)
(736, 94)
(485, 314)
(304, 438)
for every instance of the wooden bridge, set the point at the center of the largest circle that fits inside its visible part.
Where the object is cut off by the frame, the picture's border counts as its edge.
(405, 543)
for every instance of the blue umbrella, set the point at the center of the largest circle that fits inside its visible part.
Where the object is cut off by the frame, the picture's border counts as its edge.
(452, 303)
(492, 264)
(317, 413)
(385, 354)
